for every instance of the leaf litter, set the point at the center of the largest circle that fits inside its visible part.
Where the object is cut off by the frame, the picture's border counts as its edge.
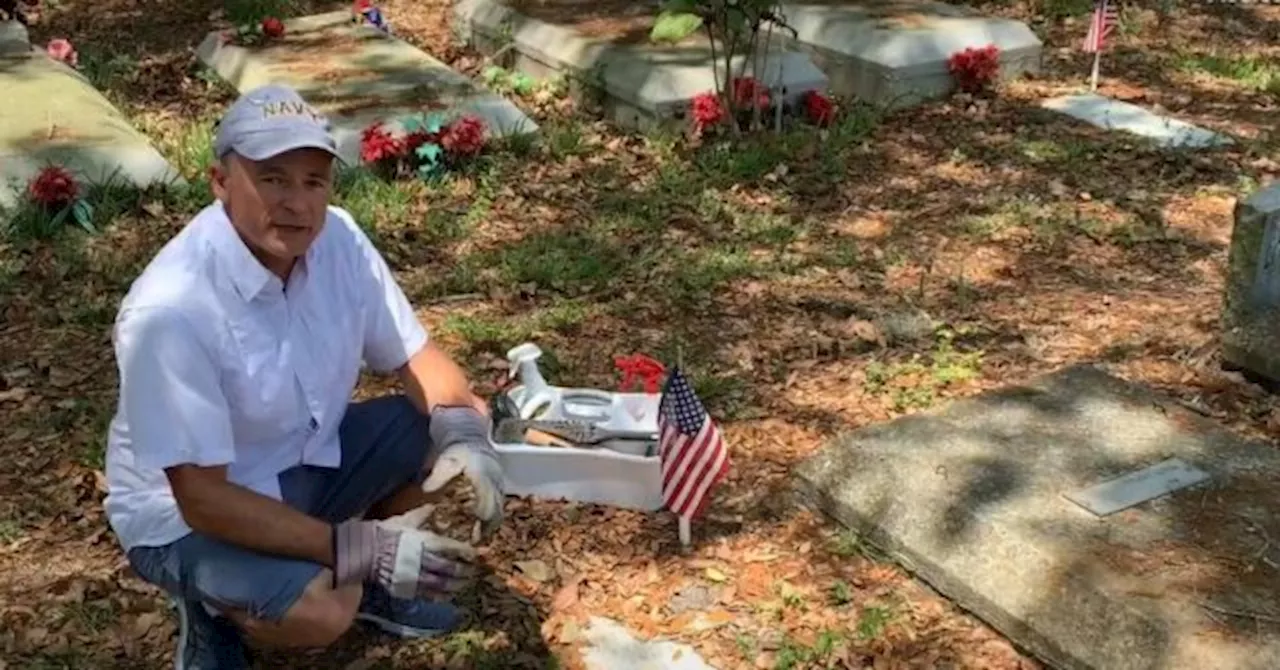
(1032, 240)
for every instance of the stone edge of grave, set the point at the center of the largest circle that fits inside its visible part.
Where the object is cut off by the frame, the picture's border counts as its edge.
(138, 161)
(562, 49)
(230, 62)
(1245, 335)
(1057, 640)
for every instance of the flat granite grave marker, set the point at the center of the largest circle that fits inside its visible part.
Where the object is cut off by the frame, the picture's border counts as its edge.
(971, 498)
(1109, 114)
(356, 75)
(63, 120)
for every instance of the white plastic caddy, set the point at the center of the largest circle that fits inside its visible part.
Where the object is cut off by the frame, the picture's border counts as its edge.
(625, 477)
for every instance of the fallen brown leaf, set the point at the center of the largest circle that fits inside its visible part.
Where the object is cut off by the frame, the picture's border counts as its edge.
(535, 569)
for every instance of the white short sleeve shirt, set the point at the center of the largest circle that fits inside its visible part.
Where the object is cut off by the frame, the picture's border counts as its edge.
(221, 363)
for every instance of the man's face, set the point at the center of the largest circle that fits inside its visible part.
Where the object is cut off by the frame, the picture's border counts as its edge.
(277, 205)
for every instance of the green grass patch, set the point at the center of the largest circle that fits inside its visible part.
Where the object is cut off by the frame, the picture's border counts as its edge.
(1252, 71)
(1056, 10)
(371, 199)
(873, 620)
(475, 649)
(1042, 152)
(840, 593)
(10, 530)
(701, 273)
(90, 615)
(567, 261)
(107, 200)
(503, 333)
(241, 12)
(792, 655)
(564, 140)
(106, 70)
(187, 146)
(916, 383)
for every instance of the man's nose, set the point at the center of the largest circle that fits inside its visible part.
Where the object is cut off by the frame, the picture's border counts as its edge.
(294, 198)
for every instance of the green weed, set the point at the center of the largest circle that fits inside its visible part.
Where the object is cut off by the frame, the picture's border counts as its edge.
(872, 622)
(915, 384)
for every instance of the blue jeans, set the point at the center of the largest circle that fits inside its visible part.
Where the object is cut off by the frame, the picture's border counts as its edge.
(384, 447)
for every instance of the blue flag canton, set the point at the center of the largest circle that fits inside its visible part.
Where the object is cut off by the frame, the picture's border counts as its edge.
(679, 402)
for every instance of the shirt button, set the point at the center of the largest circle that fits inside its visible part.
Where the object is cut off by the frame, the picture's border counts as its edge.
(314, 424)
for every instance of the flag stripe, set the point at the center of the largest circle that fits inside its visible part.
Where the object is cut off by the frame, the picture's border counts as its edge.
(678, 457)
(1101, 24)
(685, 463)
(686, 498)
(703, 455)
(719, 467)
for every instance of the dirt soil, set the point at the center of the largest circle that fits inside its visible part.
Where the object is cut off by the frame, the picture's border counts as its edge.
(792, 274)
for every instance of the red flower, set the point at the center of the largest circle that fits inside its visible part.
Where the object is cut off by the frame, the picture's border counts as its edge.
(464, 136)
(975, 68)
(747, 89)
(61, 50)
(53, 188)
(360, 5)
(377, 144)
(706, 111)
(272, 27)
(818, 108)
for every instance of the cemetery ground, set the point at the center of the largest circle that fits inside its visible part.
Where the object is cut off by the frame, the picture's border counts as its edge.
(813, 282)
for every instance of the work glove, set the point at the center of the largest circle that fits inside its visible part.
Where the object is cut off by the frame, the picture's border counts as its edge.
(462, 435)
(410, 563)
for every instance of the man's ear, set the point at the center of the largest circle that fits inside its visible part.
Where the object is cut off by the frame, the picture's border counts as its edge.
(218, 179)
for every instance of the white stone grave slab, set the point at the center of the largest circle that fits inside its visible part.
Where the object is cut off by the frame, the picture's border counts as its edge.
(356, 74)
(1104, 112)
(643, 82)
(63, 120)
(895, 52)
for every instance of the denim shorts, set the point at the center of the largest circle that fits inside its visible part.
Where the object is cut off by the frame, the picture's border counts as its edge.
(384, 447)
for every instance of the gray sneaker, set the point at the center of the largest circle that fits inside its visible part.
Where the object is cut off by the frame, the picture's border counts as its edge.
(406, 618)
(206, 642)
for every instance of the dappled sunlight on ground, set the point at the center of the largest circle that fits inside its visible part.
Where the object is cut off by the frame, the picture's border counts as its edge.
(813, 283)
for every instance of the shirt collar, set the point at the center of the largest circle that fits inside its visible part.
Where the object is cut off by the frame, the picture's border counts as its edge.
(248, 274)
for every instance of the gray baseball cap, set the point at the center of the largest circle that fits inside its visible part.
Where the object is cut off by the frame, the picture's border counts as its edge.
(270, 120)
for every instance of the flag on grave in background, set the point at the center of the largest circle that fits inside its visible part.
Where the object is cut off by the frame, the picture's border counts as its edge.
(1101, 23)
(691, 451)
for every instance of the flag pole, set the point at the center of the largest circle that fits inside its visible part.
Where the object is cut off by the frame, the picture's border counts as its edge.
(686, 533)
(1093, 77)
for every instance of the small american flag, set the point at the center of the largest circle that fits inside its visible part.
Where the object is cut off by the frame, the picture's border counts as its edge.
(691, 451)
(1101, 23)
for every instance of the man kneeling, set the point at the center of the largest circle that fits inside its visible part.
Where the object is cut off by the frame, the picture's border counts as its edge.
(242, 479)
